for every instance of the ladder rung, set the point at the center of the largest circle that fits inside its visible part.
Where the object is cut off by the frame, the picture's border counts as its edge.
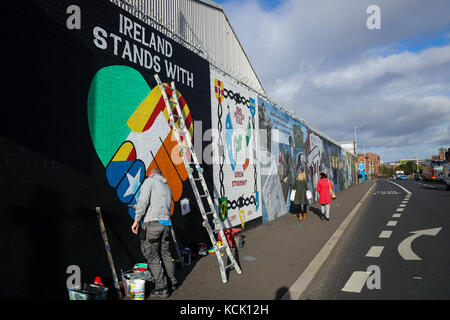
(177, 122)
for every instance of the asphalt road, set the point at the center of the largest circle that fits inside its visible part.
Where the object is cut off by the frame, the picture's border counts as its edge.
(379, 258)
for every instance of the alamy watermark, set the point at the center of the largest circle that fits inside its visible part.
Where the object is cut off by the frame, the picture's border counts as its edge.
(374, 19)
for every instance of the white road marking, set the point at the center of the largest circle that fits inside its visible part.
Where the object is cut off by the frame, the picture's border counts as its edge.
(374, 251)
(391, 223)
(400, 209)
(356, 281)
(404, 248)
(405, 201)
(406, 190)
(385, 234)
(402, 205)
(300, 285)
(396, 215)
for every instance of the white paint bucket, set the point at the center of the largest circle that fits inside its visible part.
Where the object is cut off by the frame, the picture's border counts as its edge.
(137, 289)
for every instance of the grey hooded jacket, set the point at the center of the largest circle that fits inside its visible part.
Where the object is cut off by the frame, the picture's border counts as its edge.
(155, 200)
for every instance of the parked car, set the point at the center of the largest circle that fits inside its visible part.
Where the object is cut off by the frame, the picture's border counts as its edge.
(403, 177)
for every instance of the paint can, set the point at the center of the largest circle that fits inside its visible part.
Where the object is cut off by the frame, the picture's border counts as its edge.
(126, 282)
(238, 240)
(187, 256)
(138, 267)
(87, 291)
(137, 288)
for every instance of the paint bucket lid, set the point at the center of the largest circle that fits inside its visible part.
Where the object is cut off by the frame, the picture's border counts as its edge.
(138, 281)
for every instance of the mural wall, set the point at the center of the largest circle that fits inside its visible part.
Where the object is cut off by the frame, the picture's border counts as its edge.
(237, 182)
(84, 123)
(283, 154)
(288, 147)
(95, 125)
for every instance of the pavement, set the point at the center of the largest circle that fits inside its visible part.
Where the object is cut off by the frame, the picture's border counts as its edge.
(273, 257)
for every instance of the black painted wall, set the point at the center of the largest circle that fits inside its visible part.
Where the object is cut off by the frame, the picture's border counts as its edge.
(50, 175)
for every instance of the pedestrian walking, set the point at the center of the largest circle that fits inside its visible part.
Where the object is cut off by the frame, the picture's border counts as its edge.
(153, 206)
(300, 199)
(324, 188)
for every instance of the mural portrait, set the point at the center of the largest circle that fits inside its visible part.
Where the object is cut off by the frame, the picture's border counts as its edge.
(283, 150)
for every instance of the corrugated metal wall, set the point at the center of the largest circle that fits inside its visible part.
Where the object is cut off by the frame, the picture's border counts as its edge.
(201, 26)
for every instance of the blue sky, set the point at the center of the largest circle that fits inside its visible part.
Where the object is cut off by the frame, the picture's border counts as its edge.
(319, 59)
(265, 4)
(416, 44)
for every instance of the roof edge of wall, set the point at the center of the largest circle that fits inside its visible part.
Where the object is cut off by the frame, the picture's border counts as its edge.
(221, 8)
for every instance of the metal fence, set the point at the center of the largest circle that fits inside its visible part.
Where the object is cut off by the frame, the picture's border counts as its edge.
(201, 26)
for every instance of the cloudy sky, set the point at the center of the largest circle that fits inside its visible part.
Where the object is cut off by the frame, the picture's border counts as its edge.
(320, 60)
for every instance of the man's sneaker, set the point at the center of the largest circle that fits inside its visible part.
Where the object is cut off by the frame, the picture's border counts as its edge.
(162, 293)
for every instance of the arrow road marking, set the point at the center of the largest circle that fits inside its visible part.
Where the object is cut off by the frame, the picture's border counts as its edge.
(406, 190)
(404, 248)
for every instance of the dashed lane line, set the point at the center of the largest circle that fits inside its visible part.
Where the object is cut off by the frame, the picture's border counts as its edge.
(358, 278)
(374, 251)
(299, 286)
(356, 282)
(391, 223)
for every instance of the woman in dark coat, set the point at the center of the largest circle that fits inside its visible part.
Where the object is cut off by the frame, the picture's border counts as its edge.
(300, 199)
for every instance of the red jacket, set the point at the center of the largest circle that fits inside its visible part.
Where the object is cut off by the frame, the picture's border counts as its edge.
(323, 187)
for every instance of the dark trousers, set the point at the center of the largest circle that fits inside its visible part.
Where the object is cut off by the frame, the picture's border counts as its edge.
(299, 208)
(302, 208)
(155, 249)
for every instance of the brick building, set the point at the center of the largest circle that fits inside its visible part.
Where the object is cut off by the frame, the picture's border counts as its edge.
(371, 163)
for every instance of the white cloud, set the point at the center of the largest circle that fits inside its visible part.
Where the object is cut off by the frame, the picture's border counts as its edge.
(319, 59)
(405, 63)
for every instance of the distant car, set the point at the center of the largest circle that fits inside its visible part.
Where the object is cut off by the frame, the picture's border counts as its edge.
(403, 177)
(419, 177)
